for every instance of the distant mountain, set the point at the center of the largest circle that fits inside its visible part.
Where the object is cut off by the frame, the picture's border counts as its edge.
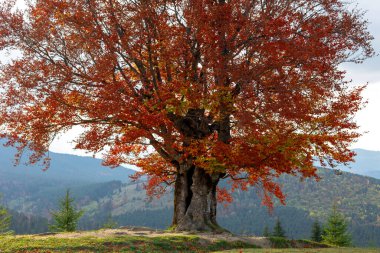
(367, 163)
(64, 168)
(28, 188)
(73, 168)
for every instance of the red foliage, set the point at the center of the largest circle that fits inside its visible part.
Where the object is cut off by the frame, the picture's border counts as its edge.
(223, 195)
(268, 70)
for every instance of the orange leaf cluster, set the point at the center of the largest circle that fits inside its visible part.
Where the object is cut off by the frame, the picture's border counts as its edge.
(263, 73)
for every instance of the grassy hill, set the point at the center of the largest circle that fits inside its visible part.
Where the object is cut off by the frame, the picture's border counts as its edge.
(122, 243)
(140, 239)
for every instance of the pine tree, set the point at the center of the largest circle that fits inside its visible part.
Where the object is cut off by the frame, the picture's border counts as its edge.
(278, 230)
(5, 220)
(110, 223)
(335, 231)
(316, 232)
(66, 218)
(266, 231)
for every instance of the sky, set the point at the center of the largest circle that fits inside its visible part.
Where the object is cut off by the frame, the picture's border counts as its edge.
(368, 72)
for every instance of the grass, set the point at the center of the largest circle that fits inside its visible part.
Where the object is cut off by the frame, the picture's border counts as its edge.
(124, 243)
(279, 243)
(282, 245)
(144, 244)
(330, 250)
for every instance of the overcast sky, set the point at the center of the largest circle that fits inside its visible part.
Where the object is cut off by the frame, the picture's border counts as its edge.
(368, 72)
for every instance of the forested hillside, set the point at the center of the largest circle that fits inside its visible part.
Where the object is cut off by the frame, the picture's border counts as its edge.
(357, 196)
(103, 193)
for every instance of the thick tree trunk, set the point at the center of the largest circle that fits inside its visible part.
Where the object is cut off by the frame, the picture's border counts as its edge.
(195, 200)
(213, 200)
(182, 192)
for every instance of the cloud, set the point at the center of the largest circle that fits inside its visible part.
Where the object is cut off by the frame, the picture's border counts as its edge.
(369, 119)
(369, 72)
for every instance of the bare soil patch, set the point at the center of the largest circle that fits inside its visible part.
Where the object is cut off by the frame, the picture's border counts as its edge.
(148, 232)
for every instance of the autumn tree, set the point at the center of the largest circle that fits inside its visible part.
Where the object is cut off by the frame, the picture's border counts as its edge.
(192, 92)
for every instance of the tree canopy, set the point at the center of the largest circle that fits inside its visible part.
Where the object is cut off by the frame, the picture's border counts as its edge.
(190, 91)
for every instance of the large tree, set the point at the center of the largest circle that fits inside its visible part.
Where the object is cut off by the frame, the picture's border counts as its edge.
(191, 91)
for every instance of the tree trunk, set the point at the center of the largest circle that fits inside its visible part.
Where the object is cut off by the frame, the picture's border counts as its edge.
(195, 200)
(195, 190)
(182, 192)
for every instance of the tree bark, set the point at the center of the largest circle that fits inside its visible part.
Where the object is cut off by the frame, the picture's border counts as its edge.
(182, 192)
(195, 200)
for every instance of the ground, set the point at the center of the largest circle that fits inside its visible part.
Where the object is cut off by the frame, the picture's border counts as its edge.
(330, 250)
(132, 239)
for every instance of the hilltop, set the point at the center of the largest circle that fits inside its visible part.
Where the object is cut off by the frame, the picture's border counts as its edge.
(146, 240)
(142, 239)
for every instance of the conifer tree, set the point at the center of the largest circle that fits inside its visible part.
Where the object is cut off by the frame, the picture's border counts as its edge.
(278, 230)
(316, 232)
(110, 223)
(66, 218)
(266, 231)
(335, 231)
(5, 220)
